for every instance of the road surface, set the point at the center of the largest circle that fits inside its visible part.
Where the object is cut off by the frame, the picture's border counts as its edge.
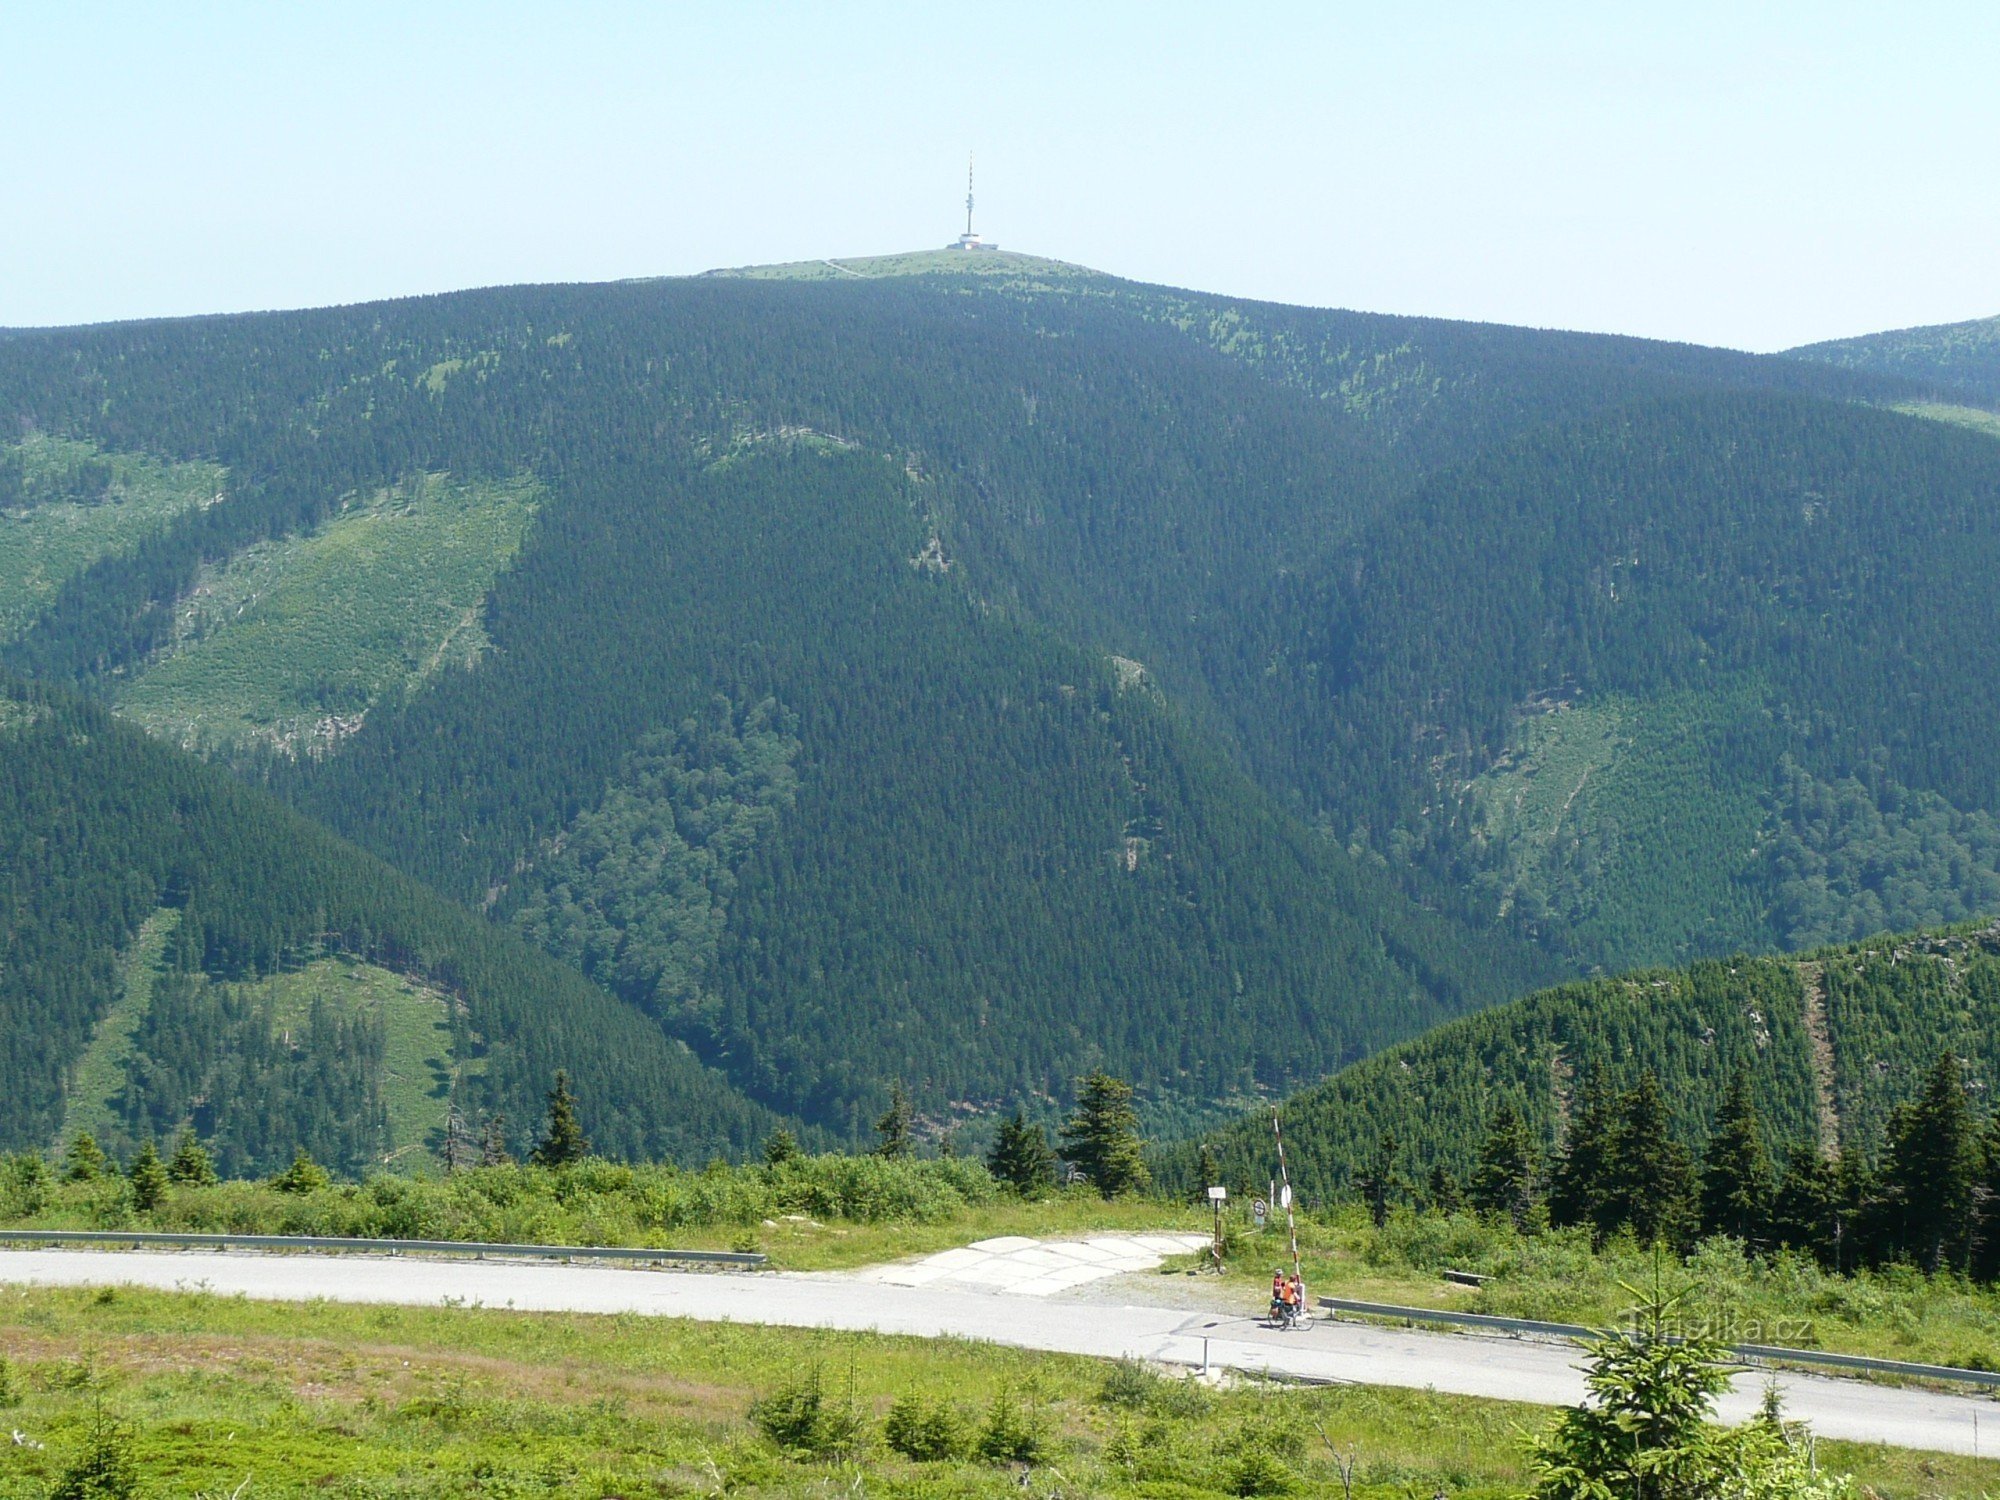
(1505, 1368)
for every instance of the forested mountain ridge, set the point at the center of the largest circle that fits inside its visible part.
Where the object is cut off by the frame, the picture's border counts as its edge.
(1735, 576)
(1948, 360)
(140, 887)
(975, 677)
(1831, 1041)
(937, 762)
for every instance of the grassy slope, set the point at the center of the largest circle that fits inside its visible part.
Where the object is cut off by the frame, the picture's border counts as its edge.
(45, 544)
(419, 1068)
(100, 1072)
(291, 641)
(417, 1071)
(308, 1399)
(1618, 828)
(1961, 416)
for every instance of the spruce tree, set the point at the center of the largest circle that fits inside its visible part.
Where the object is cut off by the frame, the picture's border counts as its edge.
(148, 1175)
(1208, 1168)
(1441, 1192)
(563, 1142)
(1855, 1238)
(780, 1147)
(1986, 1220)
(1580, 1182)
(1021, 1157)
(1804, 1208)
(1102, 1137)
(493, 1150)
(1378, 1181)
(304, 1175)
(1930, 1173)
(1504, 1181)
(1649, 1179)
(191, 1165)
(1736, 1185)
(85, 1160)
(892, 1131)
(456, 1144)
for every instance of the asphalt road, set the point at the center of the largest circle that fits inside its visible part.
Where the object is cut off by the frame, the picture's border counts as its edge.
(1510, 1369)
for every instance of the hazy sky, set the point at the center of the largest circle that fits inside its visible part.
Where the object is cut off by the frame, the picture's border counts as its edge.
(1755, 174)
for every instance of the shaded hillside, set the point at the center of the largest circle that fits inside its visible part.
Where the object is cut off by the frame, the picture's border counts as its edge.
(966, 678)
(1959, 360)
(147, 903)
(1832, 1042)
(986, 860)
(1690, 622)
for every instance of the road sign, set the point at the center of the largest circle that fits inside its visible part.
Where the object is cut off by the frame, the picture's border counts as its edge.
(1260, 1211)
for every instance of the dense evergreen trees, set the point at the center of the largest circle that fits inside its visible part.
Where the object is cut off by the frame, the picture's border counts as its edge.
(1950, 362)
(100, 828)
(1820, 1064)
(1915, 1177)
(1506, 1180)
(961, 682)
(1736, 1178)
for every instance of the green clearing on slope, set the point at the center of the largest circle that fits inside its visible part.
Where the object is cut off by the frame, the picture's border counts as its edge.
(99, 1075)
(1614, 831)
(101, 826)
(419, 1069)
(163, 1054)
(292, 641)
(64, 505)
(1961, 416)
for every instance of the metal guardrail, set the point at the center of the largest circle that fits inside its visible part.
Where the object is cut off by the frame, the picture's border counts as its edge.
(481, 1248)
(1860, 1363)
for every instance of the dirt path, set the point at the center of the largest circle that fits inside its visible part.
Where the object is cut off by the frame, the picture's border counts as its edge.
(1812, 980)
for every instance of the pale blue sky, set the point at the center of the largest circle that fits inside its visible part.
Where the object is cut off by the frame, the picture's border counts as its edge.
(1756, 174)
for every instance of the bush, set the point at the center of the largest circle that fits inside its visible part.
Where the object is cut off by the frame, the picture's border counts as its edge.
(1259, 1471)
(1129, 1384)
(10, 1392)
(1012, 1433)
(800, 1419)
(926, 1430)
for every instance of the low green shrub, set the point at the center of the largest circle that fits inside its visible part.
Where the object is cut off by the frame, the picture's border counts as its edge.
(1128, 1383)
(803, 1421)
(1013, 1432)
(926, 1429)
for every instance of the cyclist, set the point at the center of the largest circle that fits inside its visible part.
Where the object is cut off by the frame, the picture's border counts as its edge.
(1295, 1300)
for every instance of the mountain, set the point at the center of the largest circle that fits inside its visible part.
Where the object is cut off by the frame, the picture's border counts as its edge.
(178, 948)
(1952, 362)
(969, 671)
(1832, 1040)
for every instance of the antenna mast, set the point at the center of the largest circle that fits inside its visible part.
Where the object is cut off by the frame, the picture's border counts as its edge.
(968, 195)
